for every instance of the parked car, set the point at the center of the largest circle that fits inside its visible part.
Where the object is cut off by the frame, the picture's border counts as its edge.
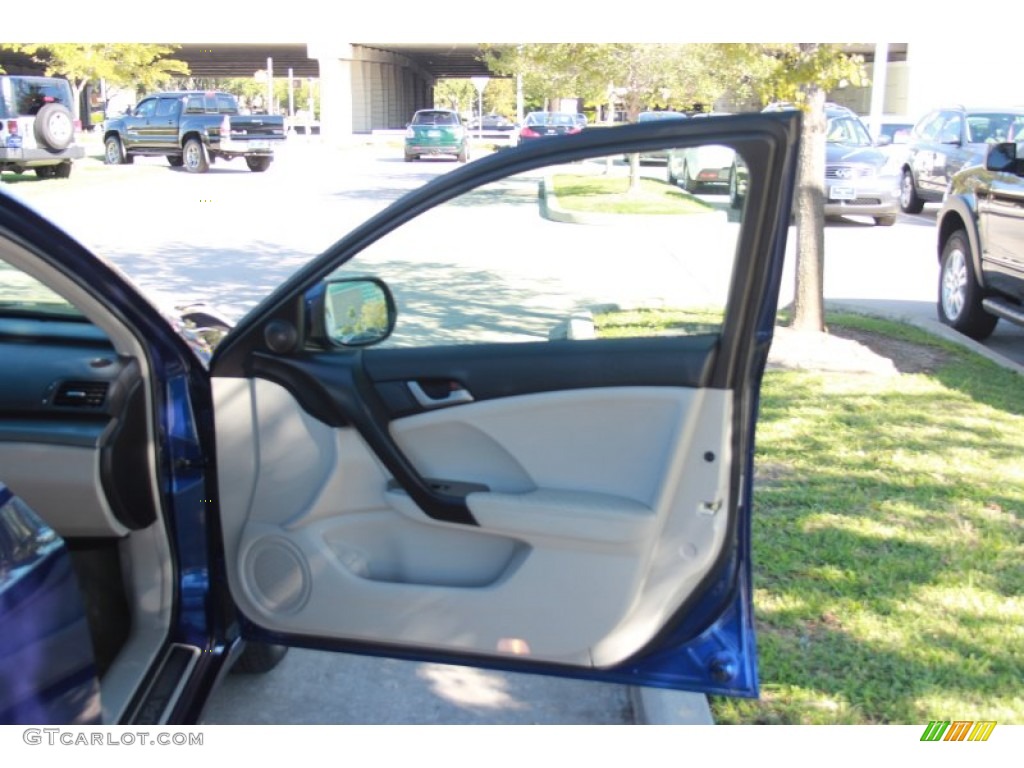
(540, 124)
(366, 469)
(981, 244)
(946, 140)
(893, 130)
(192, 129)
(37, 129)
(647, 117)
(491, 123)
(860, 178)
(436, 132)
(697, 168)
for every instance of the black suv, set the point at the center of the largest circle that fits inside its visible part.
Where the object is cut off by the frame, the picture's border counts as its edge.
(947, 140)
(981, 244)
(37, 129)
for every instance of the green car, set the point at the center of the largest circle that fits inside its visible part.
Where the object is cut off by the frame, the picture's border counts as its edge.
(436, 132)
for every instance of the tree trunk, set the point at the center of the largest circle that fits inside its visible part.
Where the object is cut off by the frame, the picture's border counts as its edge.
(77, 86)
(809, 204)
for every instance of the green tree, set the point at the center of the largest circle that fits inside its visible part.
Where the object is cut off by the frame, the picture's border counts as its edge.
(455, 93)
(500, 96)
(638, 74)
(551, 71)
(143, 66)
(801, 74)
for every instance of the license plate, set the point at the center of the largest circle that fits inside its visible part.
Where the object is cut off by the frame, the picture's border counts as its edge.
(258, 145)
(434, 134)
(842, 193)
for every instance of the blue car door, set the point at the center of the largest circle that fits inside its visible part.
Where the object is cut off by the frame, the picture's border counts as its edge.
(47, 674)
(546, 466)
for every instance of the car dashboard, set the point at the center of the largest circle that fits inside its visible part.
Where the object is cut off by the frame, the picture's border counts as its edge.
(73, 437)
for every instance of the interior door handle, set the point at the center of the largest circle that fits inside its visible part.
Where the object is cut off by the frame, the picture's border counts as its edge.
(455, 396)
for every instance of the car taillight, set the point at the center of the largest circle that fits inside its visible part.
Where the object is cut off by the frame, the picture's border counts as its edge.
(575, 129)
(12, 127)
(410, 133)
(528, 132)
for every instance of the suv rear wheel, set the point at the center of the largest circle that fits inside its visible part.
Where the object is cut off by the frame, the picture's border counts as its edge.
(959, 293)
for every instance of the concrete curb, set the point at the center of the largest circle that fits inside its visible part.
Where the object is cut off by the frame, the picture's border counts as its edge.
(654, 706)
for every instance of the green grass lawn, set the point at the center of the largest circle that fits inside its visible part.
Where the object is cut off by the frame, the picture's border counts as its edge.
(888, 540)
(610, 194)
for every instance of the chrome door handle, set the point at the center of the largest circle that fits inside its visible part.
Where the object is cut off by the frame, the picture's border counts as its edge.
(454, 397)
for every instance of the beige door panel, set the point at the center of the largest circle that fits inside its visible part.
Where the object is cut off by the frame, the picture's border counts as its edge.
(566, 561)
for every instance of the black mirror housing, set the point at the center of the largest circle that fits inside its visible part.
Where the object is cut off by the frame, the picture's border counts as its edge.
(1002, 158)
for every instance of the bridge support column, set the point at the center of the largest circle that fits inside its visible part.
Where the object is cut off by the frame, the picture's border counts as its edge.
(335, 90)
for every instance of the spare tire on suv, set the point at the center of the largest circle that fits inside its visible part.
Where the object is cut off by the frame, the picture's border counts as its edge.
(54, 126)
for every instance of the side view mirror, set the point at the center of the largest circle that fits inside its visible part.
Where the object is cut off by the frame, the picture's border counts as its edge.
(1002, 158)
(358, 312)
(883, 141)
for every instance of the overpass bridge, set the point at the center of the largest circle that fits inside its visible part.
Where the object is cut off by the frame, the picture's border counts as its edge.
(363, 86)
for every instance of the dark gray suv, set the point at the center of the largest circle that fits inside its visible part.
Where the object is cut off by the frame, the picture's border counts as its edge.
(945, 141)
(37, 129)
(981, 244)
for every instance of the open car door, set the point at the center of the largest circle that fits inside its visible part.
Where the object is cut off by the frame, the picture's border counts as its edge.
(488, 428)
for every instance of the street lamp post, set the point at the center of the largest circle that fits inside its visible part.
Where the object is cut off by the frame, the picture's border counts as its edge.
(480, 83)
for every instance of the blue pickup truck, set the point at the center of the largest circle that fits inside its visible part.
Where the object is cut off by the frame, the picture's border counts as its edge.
(192, 129)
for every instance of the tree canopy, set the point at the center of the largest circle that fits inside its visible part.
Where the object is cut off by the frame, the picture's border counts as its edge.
(145, 66)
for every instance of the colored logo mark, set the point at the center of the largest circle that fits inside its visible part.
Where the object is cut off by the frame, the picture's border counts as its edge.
(958, 730)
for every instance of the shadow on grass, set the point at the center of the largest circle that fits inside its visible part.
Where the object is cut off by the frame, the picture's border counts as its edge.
(887, 541)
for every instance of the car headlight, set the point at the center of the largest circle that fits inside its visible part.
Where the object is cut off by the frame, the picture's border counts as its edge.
(410, 133)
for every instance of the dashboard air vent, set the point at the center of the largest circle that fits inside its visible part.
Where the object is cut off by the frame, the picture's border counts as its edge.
(84, 394)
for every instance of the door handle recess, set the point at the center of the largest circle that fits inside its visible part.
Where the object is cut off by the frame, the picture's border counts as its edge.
(455, 396)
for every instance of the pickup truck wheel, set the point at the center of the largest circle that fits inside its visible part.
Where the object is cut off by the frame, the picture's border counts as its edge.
(113, 152)
(194, 157)
(959, 293)
(258, 164)
(54, 126)
(175, 161)
(45, 171)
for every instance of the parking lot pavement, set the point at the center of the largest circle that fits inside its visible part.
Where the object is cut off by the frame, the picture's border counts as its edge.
(315, 687)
